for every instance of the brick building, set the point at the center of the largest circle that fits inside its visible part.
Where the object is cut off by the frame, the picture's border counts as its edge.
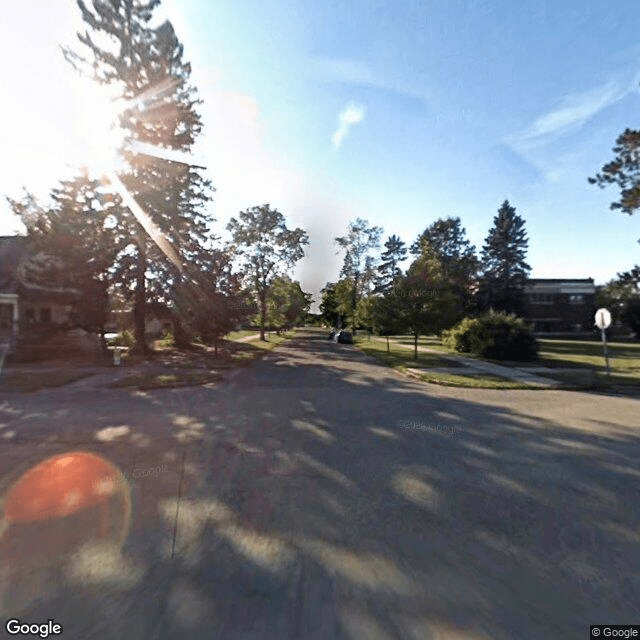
(561, 305)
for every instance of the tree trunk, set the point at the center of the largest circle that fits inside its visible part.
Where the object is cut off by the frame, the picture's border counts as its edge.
(388, 350)
(263, 312)
(139, 306)
(415, 346)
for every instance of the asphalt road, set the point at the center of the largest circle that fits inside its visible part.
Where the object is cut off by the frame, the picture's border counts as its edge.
(319, 495)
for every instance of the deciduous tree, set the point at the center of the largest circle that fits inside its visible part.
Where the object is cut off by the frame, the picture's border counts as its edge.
(267, 249)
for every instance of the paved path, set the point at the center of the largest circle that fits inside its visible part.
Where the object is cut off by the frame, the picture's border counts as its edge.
(479, 367)
(319, 495)
(255, 336)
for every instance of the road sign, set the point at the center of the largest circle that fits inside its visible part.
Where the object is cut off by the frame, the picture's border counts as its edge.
(603, 319)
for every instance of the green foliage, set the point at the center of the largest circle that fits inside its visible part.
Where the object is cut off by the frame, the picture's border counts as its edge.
(623, 171)
(125, 339)
(287, 304)
(163, 225)
(267, 248)
(337, 302)
(446, 238)
(631, 315)
(388, 270)
(420, 302)
(358, 266)
(494, 335)
(503, 257)
(74, 234)
(167, 340)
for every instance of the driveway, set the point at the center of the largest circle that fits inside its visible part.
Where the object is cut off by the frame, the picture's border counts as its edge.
(320, 495)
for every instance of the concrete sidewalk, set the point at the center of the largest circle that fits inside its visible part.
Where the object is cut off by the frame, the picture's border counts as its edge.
(478, 367)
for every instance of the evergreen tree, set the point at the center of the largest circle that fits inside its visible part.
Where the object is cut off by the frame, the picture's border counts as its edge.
(79, 231)
(504, 270)
(447, 239)
(165, 198)
(388, 269)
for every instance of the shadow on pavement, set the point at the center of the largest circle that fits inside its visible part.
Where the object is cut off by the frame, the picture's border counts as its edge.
(320, 496)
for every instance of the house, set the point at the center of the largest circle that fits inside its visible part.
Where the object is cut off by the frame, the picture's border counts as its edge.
(160, 320)
(561, 306)
(31, 302)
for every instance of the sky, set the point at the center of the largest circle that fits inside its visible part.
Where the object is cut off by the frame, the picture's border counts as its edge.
(399, 112)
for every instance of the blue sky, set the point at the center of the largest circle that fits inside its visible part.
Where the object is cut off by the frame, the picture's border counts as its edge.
(399, 112)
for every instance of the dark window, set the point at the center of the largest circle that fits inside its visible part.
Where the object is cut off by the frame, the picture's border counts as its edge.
(541, 298)
(45, 314)
(30, 314)
(576, 298)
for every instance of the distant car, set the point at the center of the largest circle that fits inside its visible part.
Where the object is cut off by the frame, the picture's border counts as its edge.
(344, 337)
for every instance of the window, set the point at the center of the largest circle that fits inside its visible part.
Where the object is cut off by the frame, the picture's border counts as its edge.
(577, 328)
(541, 298)
(576, 298)
(30, 314)
(45, 314)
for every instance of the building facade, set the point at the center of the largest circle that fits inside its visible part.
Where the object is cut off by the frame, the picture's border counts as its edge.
(561, 306)
(24, 305)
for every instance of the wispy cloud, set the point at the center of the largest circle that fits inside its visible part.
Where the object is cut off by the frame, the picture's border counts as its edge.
(362, 74)
(574, 111)
(351, 115)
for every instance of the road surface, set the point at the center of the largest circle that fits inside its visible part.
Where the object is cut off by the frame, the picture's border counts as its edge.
(319, 495)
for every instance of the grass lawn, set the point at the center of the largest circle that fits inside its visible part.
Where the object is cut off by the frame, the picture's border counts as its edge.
(245, 352)
(35, 380)
(484, 381)
(149, 380)
(400, 356)
(245, 333)
(433, 342)
(402, 359)
(624, 357)
(624, 361)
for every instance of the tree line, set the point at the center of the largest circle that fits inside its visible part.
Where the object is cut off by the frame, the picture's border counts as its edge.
(445, 281)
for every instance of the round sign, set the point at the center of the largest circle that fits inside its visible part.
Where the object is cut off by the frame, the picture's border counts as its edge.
(603, 318)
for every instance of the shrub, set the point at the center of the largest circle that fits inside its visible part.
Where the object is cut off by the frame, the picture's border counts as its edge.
(167, 340)
(125, 339)
(494, 335)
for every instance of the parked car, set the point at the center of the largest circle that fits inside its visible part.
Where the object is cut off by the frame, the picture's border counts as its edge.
(332, 335)
(344, 337)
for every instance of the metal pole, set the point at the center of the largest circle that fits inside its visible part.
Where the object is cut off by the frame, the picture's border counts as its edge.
(606, 355)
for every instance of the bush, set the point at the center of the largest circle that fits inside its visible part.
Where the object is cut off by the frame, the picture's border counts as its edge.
(167, 341)
(125, 339)
(495, 335)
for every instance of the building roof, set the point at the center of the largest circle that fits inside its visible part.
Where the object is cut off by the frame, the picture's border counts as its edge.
(560, 280)
(16, 259)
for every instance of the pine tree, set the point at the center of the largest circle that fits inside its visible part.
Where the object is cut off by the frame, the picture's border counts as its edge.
(504, 270)
(447, 239)
(78, 232)
(146, 65)
(388, 270)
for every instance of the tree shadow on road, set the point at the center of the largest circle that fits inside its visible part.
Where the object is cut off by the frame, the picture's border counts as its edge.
(316, 497)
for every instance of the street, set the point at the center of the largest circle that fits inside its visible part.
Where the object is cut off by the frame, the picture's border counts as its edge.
(320, 495)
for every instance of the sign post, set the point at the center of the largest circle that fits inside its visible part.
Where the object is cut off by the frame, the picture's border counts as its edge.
(603, 321)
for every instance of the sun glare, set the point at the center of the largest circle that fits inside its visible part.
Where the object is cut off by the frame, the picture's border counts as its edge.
(100, 135)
